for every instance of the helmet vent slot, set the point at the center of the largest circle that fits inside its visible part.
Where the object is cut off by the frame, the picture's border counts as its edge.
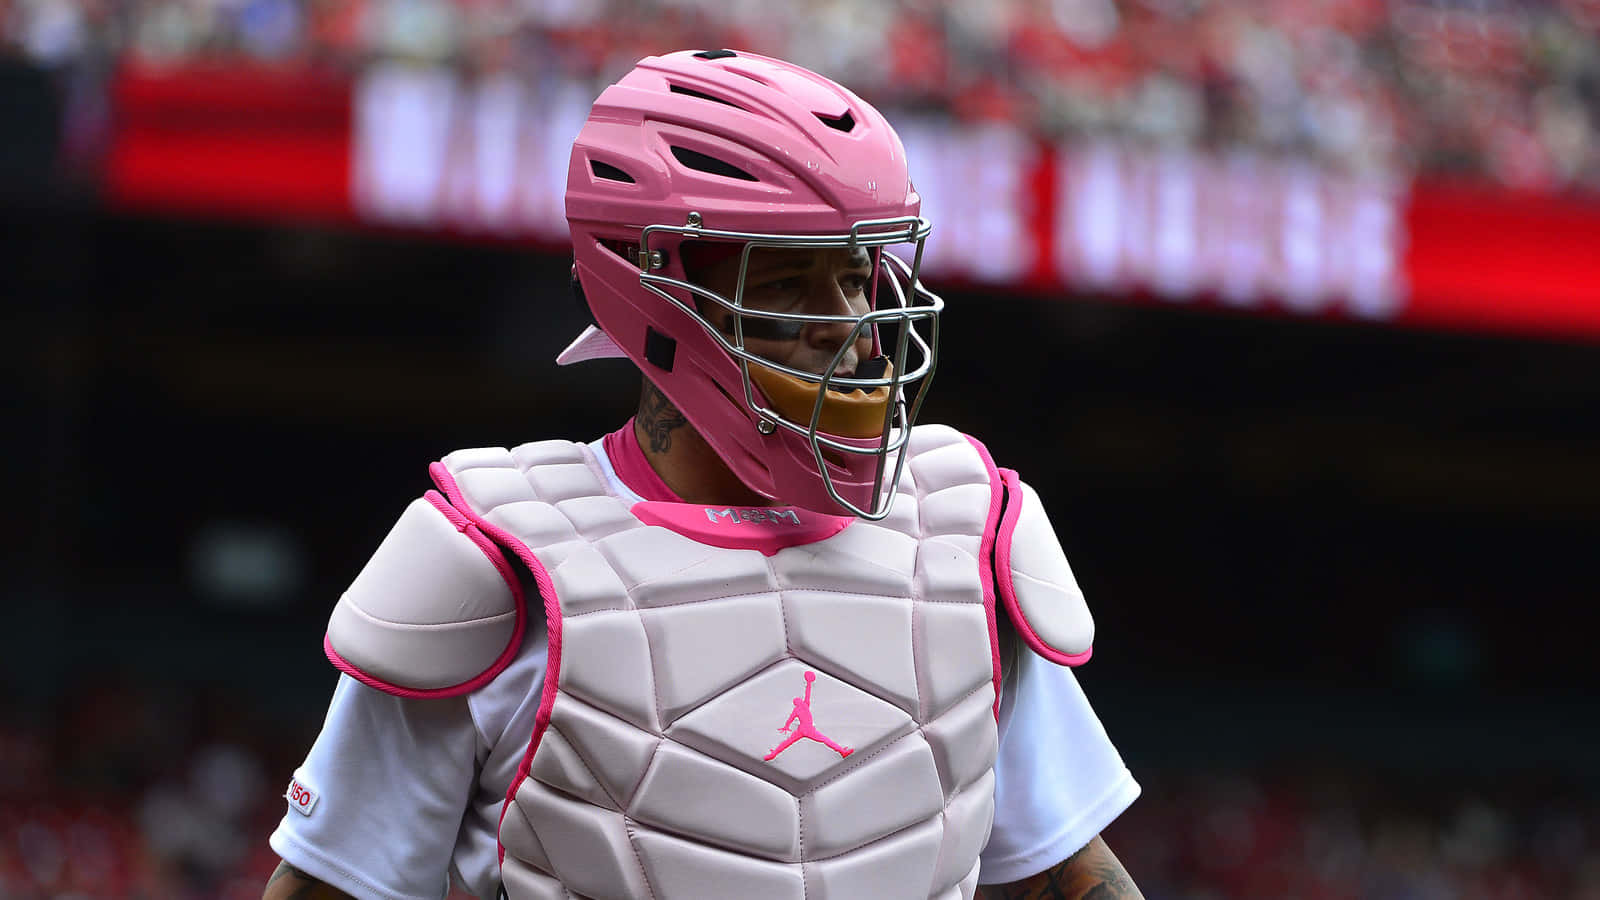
(659, 349)
(838, 123)
(691, 92)
(609, 172)
(700, 162)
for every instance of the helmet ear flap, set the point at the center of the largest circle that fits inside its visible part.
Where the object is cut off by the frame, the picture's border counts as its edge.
(659, 350)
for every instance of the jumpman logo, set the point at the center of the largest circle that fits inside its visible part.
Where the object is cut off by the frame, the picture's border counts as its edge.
(807, 729)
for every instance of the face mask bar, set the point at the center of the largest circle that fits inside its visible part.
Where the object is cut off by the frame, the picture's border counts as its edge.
(918, 305)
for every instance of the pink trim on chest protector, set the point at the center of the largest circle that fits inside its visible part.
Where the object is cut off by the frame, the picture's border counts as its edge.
(765, 528)
(629, 462)
(1008, 587)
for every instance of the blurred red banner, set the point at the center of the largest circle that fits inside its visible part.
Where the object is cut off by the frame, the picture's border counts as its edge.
(1493, 260)
(230, 141)
(420, 148)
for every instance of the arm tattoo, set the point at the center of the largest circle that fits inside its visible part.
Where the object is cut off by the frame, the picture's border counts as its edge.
(1092, 873)
(282, 870)
(658, 418)
(299, 886)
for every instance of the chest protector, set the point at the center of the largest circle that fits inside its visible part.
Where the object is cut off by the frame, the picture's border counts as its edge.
(739, 703)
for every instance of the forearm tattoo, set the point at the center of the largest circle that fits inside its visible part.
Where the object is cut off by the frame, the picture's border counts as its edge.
(658, 418)
(299, 886)
(1092, 873)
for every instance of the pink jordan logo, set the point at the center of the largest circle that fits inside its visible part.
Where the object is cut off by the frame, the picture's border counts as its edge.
(807, 729)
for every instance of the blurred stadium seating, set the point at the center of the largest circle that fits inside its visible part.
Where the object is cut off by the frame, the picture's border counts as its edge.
(1506, 90)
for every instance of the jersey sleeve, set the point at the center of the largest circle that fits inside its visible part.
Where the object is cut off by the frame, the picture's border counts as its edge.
(375, 808)
(1059, 780)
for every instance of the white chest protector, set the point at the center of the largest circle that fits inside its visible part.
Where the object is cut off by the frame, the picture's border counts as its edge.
(739, 703)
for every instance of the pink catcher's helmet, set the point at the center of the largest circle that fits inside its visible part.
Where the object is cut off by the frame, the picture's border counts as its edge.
(753, 152)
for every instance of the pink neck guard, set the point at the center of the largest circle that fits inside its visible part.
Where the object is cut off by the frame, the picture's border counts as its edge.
(767, 529)
(631, 465)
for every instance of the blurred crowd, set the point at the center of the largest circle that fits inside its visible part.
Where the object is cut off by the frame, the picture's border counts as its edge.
(1314, 833)
(1503, 89)
(131, 791)
(136, 791)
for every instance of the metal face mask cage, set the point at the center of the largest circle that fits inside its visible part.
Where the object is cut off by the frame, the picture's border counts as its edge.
(913, 304)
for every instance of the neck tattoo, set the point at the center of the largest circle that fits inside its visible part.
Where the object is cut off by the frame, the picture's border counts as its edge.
(658, 418)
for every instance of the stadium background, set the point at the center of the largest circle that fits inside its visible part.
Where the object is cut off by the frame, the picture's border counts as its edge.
(1289, 309)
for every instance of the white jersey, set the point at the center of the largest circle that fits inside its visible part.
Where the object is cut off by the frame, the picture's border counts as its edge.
(397, 792)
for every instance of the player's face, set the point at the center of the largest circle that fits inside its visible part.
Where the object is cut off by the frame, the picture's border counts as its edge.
(829, 281)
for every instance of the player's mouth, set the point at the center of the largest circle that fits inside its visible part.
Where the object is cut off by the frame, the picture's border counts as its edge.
(874, 367)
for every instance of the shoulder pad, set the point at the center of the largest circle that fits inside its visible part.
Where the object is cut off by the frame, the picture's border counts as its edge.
(1036, 584)
(436, 612)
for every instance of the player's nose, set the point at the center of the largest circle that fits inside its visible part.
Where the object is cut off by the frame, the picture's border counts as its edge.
(828, 298)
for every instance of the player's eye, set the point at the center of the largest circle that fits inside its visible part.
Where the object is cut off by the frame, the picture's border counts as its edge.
(780, 286)
(777, 295)
(855, 283)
